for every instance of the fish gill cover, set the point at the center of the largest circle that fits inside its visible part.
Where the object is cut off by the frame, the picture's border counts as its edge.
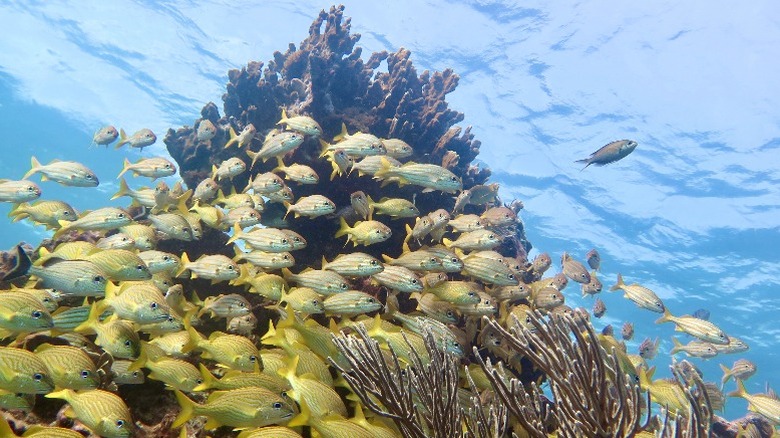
(488, 347)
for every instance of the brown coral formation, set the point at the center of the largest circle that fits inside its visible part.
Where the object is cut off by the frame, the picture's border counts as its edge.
(326, 79)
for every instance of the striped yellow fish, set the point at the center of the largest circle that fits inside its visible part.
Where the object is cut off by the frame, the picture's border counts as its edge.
(103, 412)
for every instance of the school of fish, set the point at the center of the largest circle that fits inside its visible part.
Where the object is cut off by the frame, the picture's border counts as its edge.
(115, 313)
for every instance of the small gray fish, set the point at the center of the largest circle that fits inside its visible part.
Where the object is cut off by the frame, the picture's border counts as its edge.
(360, 204)
(105, 136)
(594, 259)
(140, 139)
(599, 308)
(206, 130)
(225, 306)
(574, 269)
(609, 153)
(742, 369)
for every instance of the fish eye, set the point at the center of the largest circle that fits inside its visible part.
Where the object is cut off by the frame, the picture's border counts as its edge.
(38, 377)
(98, 279)
(315, 302)
(85, 374)
(491, 236)
(583, 275)
(167, 166)
(284, 241)
(140, 267)
(344, 286)
(454, 178)
(120, 215)
(511, 276)
(153, 305)
(414, 281)
(128, 343)
(88, 176)
(120, 423)
(450, 314)
(371, 300)
(66, 213)
(230, 267)
(253, 358)
(166, 258)
(37, 314)
(374, 262)
(277, 405)
(378, 231)
(471, 294)
(135, 374)
(454, 260)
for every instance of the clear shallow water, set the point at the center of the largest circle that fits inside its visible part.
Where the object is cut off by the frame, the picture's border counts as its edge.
(693, 213)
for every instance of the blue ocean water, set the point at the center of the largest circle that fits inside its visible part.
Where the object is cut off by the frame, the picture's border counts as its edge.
(693, 213)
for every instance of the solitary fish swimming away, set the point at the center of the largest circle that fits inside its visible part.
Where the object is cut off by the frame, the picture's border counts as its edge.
(609, 153)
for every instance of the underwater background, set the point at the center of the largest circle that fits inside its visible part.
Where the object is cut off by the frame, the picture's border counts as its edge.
(693, 213)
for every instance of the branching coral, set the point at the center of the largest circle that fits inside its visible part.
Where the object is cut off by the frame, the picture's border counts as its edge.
(423, 398)
(591, 396)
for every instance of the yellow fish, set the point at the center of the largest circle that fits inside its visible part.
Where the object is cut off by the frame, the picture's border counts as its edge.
(69, 367)
(243, 139)
(242, 408)
(153, 168)
(22, 312)
(364, 232)
(48, 213)
(303, 124)
(232, 351)
(103, 412)
(102, 219)
(68, 173)
(22, 371)
(215, 267)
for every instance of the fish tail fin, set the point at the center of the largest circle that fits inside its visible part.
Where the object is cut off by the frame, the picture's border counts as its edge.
(91, 322)
(344, 228)
(284, 117)
(677, 345)
(279, 165)
(243, 277)
(289, 209)
(644, 380)
(63, 394)
(187, 409)
(447, 242)
(214, 172)
(194, 338)
(253, 155)
(185, 260)
(181, 202)
(391, 308)
(324, 262)
(666, 318)
(740, 392)
(35, 165)
(233, 137)
(237, 232)
(143, 357)
(302, 419)
(343, 134)
(286, 274)
(221, 195)
(124, 189)
(122, 139)
(19, 212)
(408, 234)
(619, 284)
(125, 167)
(207, 379)
(384, 169)
(726, 374)
(248, 185)
(324, 151)
(586, 161)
